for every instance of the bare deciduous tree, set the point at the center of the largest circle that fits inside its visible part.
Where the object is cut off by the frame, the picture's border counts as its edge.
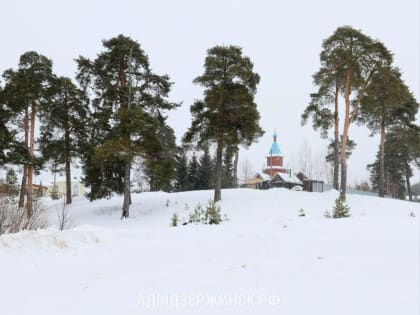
(246, 170)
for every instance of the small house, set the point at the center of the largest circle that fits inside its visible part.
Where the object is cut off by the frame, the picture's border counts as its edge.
(259, 181)
(285, 180)
(59, 187)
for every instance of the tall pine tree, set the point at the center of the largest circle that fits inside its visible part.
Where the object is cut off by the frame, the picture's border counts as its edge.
(26, 89)
(402, 148)
(63, 125)
(193, 174)
(227, 116)
(358, 58)
(127, 110)
(387, 102)
(181, 177)
(324, 109)
(205, 169)
(159, 162)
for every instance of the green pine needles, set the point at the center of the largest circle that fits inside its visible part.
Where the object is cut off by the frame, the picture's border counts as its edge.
(210, 214)
(174, 219)
(340, 209)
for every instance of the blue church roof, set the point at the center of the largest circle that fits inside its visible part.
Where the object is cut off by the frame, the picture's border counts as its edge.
(275, 149)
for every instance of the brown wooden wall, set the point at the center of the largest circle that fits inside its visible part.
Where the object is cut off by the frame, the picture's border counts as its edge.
(275, 161)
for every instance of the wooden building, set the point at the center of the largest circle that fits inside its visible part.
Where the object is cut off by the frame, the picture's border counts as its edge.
(274, 173)
(274, 159)
(259, 181)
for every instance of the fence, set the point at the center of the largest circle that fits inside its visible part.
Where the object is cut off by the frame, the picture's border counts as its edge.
(355, 191)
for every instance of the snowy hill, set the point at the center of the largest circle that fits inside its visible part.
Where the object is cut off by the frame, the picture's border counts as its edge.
(264, 260)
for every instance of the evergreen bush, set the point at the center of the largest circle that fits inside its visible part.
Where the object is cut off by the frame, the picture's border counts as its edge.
(174, 220)
(340, 209)
(212, 213)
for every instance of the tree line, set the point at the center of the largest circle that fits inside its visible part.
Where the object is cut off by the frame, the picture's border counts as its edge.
(358, 83)
(114, 116)
(199, 173)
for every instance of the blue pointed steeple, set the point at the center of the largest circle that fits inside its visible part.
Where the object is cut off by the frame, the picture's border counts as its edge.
(275, 149)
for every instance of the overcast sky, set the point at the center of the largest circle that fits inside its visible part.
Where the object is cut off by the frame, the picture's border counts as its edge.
(282, 38)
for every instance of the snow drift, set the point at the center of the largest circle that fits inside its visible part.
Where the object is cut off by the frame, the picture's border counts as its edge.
(365, 264)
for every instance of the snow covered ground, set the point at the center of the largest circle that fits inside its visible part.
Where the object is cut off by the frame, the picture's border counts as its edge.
(264, 260)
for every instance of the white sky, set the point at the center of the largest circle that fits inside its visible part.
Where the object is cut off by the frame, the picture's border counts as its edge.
(282, 38)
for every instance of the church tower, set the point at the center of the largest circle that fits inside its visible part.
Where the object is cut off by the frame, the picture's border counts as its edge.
(274, 159)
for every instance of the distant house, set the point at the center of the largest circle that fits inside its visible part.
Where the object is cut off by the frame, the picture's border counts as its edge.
(77, 187)
(39, 190)
(285, 180)
(259, 181)
(279, 180)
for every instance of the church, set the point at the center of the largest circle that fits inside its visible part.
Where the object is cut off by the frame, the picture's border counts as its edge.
(274, 174)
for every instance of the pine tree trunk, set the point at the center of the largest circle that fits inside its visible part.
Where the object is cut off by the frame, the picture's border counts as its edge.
(67, 154)
(407, 179)
(343, 186)
(382, 161)
(126, 203)
(68, 181)
(125, 105)
(336, 143)
(25, 167)
(23, 188)
(235, 169)
(336, 167)
(218, 182)
(29, 192)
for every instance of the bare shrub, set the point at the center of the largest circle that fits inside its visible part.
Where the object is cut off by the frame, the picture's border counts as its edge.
(13, 219)
(65, 220)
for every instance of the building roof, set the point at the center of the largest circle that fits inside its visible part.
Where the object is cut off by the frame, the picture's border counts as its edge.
(275, 149)
(288, 178)
(263, 176)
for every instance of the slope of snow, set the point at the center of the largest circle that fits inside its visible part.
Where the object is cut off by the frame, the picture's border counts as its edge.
(280, 263)
(49, 239)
